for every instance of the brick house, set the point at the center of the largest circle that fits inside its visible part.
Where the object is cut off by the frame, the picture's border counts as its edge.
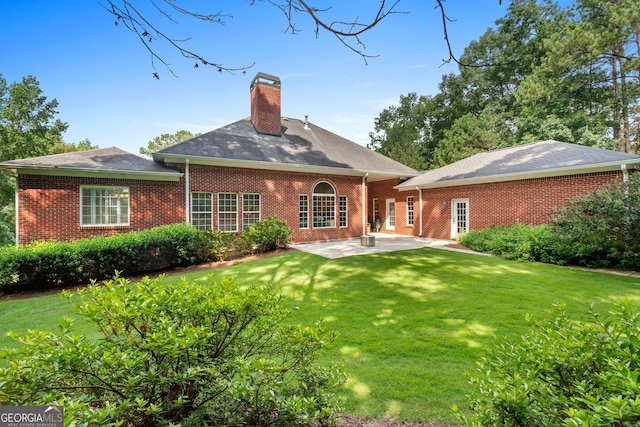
(324, 186)
(223, 180)
(526, 184)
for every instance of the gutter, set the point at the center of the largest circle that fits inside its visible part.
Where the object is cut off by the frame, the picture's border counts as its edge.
(187, 195)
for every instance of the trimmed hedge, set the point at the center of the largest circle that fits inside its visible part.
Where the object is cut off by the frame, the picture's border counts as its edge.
(49, 264)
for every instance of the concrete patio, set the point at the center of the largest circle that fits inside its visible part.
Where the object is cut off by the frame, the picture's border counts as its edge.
(383, 243)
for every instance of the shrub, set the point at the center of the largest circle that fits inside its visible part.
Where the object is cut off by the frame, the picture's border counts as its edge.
(177, 354)
(266, 235)
(215, 245)
(46, 264)
(602, 229)
(517, 241)
(564, 372)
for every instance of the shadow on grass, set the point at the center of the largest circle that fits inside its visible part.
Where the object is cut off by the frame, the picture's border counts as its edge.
(412, 322)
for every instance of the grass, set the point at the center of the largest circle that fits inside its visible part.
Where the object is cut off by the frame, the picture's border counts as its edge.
(411, 323)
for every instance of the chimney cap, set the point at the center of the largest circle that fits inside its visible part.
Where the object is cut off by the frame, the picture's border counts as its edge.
(265, 78)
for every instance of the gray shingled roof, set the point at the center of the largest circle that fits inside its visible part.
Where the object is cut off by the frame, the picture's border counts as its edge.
(105, 161)
(546, 158)
(299, 146)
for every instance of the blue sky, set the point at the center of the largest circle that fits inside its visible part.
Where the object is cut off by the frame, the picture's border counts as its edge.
(102, 76)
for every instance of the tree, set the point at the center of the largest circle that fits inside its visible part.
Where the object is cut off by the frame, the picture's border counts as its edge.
(62, 147)
(166, 140)
(401, 133)
(593, 65)
(28, 123)
(28, 128)
(484, 93)
(470, 135)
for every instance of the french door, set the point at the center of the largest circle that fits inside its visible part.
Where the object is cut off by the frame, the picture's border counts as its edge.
(459, 217)
(391, 214)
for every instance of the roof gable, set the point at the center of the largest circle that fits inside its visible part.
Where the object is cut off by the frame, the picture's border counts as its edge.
(546, 158)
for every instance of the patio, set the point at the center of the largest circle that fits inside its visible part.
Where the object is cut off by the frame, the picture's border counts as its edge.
(384, 242)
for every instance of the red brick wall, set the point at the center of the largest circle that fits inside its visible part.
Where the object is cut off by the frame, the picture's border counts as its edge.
(49, 206)
(530, 201)
(265, 108)
(279, 195)
(383, 190)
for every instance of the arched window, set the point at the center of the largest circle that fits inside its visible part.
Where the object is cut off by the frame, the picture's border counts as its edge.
(324, 206)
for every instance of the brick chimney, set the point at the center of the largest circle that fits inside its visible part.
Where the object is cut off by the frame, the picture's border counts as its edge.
(265, 104)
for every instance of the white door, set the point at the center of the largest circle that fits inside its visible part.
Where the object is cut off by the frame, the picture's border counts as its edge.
(459, 217)
(391, 214)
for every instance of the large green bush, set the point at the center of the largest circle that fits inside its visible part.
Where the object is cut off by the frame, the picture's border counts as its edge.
(517, 241)
(185, 354)
(563, 372)
(602, 229)
(46, 264)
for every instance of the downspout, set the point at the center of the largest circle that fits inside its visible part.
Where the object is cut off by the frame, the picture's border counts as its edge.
(364, 209)
(17, 215)
(625, 177)
(420, 210)
(186, 191)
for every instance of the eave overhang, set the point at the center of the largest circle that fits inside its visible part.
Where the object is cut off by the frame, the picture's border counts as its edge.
(285, 167)
(92, 173)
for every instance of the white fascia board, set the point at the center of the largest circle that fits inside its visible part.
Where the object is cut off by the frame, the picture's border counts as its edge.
(573, 170)
(285, 167)
(92, 173)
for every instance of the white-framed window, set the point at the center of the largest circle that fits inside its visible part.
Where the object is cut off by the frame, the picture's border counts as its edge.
(202, 210)
(304, 211)
(410, 211)
(104, 205)
(324, 206)
(250, 209)
(342, 210)
(376, 210)
(228, 212)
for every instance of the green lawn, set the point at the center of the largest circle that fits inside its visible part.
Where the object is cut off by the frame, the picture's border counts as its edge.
(411, 323)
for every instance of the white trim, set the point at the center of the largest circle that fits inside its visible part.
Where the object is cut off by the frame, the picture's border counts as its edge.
(387, 226)
(118, 187)
(92, 173)
(17, 203)
(287, 167)
(420, 210)
(346, 212)
(187, 194)
(251, 212)
(307, 212)
(225, 212)
(454, 217)
(413, 211)
(336, 213)
(364, 205)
